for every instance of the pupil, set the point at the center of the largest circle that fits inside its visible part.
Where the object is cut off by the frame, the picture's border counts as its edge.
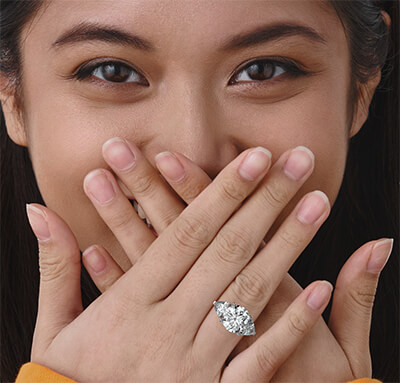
(118, 73)
(260, 71)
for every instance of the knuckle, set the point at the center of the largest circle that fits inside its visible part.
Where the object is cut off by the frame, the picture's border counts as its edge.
(251, 286)
(233, 190)
(51, 266)
(120, 221)
(274, 194)
(362, 298)
(232, 246)
(169, 216)
(190, 191)
(191, 232)
(143, 184)
(265, 358)
(290, 239)
(297, 324)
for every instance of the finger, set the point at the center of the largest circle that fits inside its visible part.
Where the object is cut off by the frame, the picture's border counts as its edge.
(194, 182)
(101, 267)
(170, 257)
(153, 194)
(257, 282)
(118, 213)
(259, 362)
(60, 300)
(237, 241)
(350, 317)
(183, 176)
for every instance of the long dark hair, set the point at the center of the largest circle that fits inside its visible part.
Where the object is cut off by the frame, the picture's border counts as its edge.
(366, 208)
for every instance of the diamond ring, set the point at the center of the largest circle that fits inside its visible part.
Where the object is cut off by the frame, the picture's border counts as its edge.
(235, 318)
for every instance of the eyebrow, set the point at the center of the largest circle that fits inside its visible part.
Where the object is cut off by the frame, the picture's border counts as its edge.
(269, 33)
(86, 31)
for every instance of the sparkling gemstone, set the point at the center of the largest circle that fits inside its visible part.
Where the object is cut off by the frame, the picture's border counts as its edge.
(235, 318)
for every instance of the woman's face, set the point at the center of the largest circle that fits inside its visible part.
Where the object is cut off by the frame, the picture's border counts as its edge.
(191, 92)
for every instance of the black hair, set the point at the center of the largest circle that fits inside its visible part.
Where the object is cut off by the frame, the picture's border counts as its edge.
(366, 207)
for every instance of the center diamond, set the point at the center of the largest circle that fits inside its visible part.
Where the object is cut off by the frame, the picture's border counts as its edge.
(235, 318)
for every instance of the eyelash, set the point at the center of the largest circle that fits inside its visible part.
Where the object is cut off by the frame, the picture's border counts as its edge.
(292, 70)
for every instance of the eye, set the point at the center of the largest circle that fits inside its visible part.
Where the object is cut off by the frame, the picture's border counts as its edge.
(263, 70)
(110, 71)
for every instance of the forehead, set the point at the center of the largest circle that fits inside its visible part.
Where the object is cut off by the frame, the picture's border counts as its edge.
(180, 23)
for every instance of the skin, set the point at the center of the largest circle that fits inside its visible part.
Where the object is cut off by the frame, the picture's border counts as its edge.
(188, 108)
(309, 111)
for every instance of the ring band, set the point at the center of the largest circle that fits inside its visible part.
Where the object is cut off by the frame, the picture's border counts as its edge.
(236, 319)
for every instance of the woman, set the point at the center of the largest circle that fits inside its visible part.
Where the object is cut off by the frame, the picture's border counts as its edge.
(186, 77)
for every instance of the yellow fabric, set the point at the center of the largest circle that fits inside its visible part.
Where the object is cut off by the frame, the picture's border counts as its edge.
(36, 373)
(365, 380)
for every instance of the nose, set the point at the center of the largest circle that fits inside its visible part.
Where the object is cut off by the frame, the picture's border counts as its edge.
(201, 143)
(190, 122)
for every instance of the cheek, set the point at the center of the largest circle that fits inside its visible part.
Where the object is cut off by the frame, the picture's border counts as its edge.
(315, 119)
(65, 145)
(317, 122)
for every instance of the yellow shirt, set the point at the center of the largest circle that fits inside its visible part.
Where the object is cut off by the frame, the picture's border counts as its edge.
(35, 373)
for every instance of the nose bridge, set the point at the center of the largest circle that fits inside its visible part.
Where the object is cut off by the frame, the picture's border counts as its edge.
(189, 124)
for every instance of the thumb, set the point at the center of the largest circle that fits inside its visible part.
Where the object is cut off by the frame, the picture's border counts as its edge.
(350, 318)
(60, 299)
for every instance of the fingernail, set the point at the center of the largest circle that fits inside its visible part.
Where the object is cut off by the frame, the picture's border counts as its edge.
(94, 259)
(380, 255)
(320, 295)
(118, 153)
(313, 207)
(255, 163)
(99, 186)
(38, 222)
(170, 166)
(300, 161)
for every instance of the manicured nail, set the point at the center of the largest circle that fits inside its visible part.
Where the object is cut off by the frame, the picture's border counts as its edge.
(255, 163)
(94, 259)
(118, 153)
(170, 166)
(313, 207)
(300, 161)
(99, 186)
(380, 255)
(38, 221)
(320, 295)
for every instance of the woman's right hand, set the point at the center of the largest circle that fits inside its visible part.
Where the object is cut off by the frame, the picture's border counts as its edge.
(157, 322)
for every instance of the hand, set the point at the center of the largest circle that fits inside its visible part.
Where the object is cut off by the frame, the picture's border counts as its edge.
(157, 321)
(353, 299)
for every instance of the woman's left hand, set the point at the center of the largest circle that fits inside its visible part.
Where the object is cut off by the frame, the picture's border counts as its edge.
(326, 350)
